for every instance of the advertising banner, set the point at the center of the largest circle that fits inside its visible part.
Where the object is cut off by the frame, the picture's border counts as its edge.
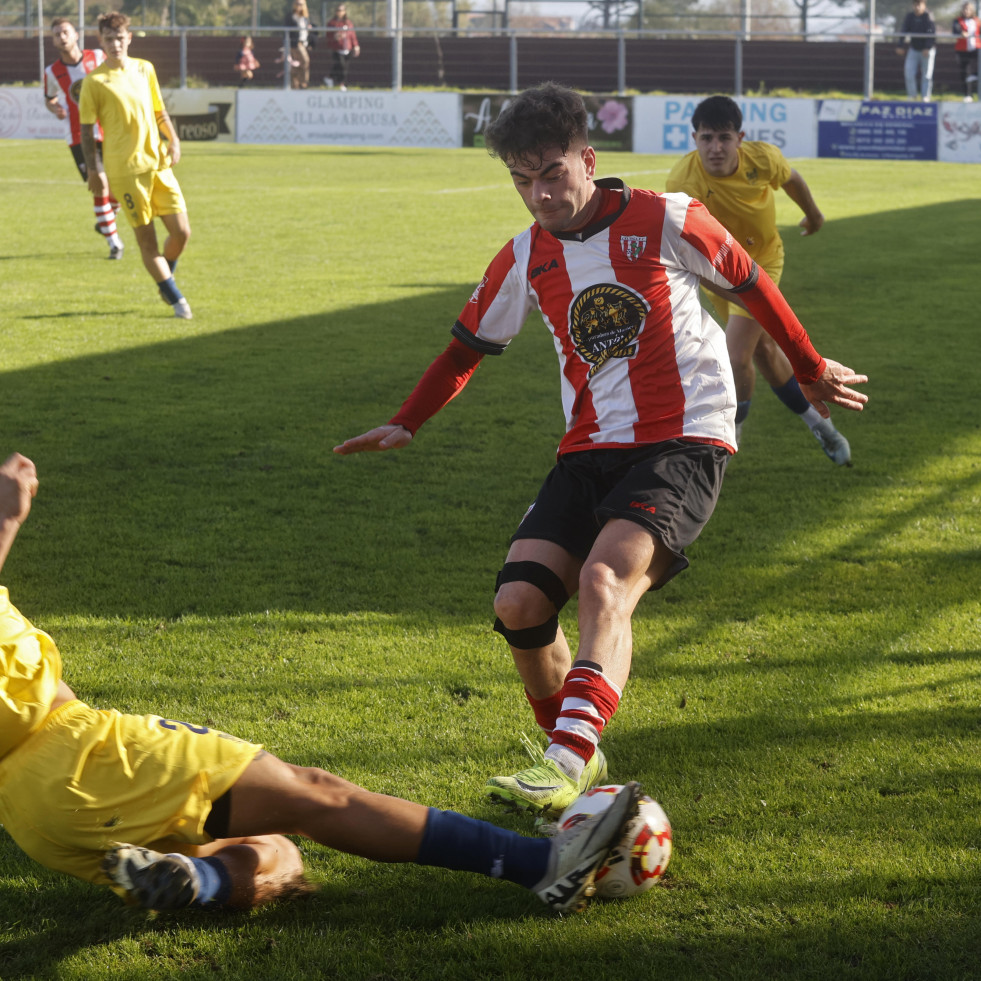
(23, 116)
(662, 124)
(202, 114)
(960, 132)
(848, 128)
(367, 118)
(610, 119)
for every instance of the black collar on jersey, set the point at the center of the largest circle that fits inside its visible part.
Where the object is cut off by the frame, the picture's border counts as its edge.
(611, 184)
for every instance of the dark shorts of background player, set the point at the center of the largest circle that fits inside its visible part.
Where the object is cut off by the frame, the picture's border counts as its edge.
(669, 488)
(76, 149)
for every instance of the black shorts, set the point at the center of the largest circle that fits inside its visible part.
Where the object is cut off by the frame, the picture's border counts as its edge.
(79, 157)
(670, 488)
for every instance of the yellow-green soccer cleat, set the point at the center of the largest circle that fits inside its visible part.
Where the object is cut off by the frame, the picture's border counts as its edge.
(543, 788)
(578, 853)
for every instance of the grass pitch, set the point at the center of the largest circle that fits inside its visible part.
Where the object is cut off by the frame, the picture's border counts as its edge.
(803, 701)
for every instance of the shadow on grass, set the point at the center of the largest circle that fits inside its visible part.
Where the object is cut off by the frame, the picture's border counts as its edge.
(196, 477)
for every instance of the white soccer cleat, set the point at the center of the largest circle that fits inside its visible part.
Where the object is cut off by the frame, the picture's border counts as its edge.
(835, 445)
(579, 853)
(182, 309)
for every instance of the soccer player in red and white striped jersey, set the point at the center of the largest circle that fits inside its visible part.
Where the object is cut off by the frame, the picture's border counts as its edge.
(62, 84)
(649, 402)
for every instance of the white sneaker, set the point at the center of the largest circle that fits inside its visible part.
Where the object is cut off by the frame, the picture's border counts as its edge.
(151, 879)
(578, 854)
(835, 445)
(116, 252)
(182, 309)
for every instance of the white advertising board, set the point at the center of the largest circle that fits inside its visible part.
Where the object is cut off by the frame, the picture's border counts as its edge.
(959, 132)
(23, 116)
(662, 124)
(365, 118)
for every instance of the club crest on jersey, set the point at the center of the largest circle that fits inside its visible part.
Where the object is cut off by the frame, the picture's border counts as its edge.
(633, 246)
(76, 90)
(604, 323)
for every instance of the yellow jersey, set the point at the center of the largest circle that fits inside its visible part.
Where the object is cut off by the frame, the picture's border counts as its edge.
(30, 670)
(125, 102)
(743, 202)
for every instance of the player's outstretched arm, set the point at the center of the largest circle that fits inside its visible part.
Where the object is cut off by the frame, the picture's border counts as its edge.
(388, 437)
(798, 192)
(832, 387)
(18, 485)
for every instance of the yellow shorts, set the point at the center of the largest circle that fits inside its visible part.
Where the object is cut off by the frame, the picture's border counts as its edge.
(724, 309)
(88, 778)
(144, 196)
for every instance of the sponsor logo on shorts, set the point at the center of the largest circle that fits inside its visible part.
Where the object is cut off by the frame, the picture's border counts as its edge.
(644, 507)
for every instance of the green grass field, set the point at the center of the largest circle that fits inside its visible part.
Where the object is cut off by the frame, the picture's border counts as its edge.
(804, 700)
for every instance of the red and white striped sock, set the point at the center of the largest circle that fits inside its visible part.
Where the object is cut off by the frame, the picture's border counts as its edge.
(588, 703)
(105, 220)
(546, 710)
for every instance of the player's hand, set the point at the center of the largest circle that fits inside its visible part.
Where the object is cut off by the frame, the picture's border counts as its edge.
(98, 184)
(60, 112)
(811, 224)
(832, 387)
(381, 438)
(18, 485)
(175, 152)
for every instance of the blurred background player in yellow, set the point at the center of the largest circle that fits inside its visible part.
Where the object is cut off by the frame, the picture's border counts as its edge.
(123, 95)
(171, 815)
(735, 180)
(62, 83)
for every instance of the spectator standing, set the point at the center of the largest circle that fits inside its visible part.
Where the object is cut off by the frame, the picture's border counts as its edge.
(343, 44)
(299, 21)
(247, 63)
(918, 33)
(967, 29)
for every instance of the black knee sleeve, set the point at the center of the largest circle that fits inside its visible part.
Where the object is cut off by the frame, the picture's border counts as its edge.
(530, 637)
(538, 575)
(542, 577)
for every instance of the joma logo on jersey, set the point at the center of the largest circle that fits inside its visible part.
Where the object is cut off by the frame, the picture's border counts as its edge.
(633, 246)
(543, 268)
(476, 293)
(604, 323)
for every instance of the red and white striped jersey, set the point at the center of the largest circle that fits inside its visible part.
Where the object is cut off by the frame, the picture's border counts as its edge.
(65, 83)
(640, 360)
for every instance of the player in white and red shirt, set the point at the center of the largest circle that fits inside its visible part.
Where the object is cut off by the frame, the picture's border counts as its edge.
(62, 85)
(649, 403)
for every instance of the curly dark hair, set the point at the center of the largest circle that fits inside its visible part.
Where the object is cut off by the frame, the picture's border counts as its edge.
(545, 116)
(717, 112)
(113, 21)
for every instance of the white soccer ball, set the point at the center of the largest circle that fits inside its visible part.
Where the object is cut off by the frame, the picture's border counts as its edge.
(642, 855)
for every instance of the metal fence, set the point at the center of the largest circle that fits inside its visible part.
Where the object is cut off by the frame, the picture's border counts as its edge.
(666, 61)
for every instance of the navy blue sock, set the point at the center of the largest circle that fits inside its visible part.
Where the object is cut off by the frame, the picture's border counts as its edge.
(173, 264)
(790, 394)
(453, 841)
(169, 291)
(216, 883)
(742, 410)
